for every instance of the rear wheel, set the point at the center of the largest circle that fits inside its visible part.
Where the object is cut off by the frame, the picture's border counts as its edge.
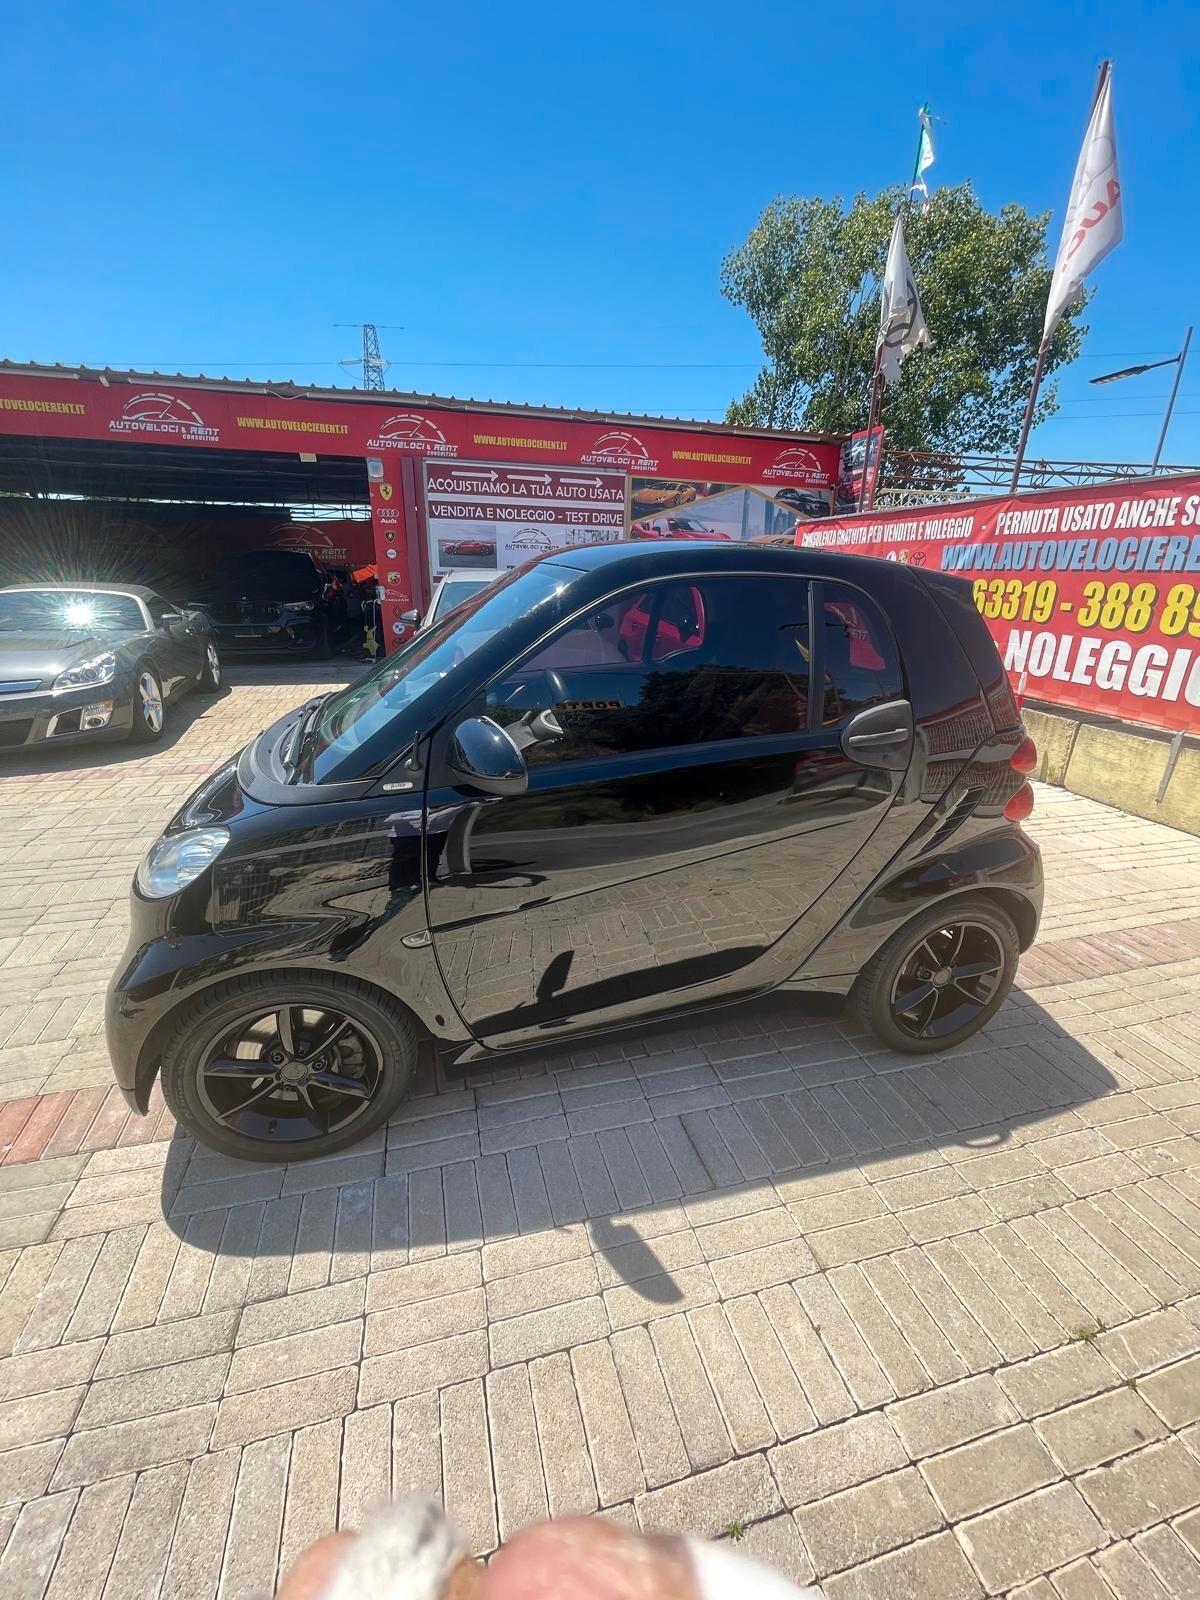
(149, 715)
(940, 978)
(290, 1067)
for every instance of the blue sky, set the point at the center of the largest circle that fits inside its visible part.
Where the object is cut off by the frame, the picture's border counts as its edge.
(540, 195)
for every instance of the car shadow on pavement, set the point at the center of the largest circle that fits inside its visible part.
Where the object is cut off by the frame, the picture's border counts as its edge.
(48, 757)
(318, 672)
(643, 1137)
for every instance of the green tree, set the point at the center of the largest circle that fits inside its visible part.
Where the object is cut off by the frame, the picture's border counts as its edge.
(809, 274)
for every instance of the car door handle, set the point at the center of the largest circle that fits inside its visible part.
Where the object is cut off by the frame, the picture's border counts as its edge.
(881, 736)
(871, 741)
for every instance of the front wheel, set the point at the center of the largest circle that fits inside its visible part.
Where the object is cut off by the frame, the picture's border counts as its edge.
(210, 673)
(940, 978)
(287, 1067)
(149, 715)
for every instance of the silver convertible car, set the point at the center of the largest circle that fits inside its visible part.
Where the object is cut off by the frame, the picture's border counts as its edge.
(96, 661)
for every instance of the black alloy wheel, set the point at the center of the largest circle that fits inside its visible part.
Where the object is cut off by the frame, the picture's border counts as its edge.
(939, 978)
(947, 980)
(290, 1073)
(287, 1066)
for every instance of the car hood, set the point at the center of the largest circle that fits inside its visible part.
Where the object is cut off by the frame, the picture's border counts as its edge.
(251, 586)
(25, 656)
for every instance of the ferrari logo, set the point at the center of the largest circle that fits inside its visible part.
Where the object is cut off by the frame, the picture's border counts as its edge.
(385, 491)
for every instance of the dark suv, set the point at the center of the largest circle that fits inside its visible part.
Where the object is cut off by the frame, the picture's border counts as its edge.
(266, 601)
(621, 782)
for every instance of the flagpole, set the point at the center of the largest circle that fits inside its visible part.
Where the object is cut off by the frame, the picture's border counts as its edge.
(1029, 405)
(916, 165)
(866, 495)
(1044, 346)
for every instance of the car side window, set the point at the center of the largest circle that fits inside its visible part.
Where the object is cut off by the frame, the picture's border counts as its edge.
(858, 658)
(682, 662)
(158, 609)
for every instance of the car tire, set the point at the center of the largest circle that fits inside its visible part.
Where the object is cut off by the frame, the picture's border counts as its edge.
(381, 1026)
(209, 680)
(149, 710)
(912, 1005)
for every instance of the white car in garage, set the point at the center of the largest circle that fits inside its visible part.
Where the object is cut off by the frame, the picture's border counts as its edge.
(454, 588)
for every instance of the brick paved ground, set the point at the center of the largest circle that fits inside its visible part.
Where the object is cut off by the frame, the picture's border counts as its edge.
(923, 1329)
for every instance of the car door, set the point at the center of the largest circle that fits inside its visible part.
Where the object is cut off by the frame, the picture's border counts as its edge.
(175, 648)
(690, 799)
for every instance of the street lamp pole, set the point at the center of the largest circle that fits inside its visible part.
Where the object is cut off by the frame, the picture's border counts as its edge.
(1152, 366)
(1179, 360)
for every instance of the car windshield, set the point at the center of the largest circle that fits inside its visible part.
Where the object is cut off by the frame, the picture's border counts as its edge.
(379, 714)
(53, 610)
(280, 569)
(453, 592)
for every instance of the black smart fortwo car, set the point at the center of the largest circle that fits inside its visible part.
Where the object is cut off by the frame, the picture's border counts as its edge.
(621, 782)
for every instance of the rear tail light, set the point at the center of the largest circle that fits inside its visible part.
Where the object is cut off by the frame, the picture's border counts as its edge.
(1021, 804)
(1025, 757)
(1023, 761)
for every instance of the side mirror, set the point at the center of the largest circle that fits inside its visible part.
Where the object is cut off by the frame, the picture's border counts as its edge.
(484, 757)
(168, 617)
(410, 618)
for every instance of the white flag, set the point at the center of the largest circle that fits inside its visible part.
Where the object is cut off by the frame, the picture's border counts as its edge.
(901, 322)
(1093, 224)
(926, 156)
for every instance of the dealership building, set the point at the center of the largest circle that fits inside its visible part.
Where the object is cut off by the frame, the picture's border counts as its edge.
(136, 476)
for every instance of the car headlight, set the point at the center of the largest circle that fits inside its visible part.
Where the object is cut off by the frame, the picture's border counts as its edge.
(172, 863)
(298, 605)
(88, 674)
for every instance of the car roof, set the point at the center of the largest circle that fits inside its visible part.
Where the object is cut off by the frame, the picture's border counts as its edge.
(629, 562)
(598, 569)
(135, 591)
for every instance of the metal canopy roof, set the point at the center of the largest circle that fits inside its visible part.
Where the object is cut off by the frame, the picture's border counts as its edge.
(286, 389)
(101, 469)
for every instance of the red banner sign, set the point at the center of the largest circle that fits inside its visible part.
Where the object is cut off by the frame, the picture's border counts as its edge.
(566, 482)
(1092, 595)
(176, 414)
